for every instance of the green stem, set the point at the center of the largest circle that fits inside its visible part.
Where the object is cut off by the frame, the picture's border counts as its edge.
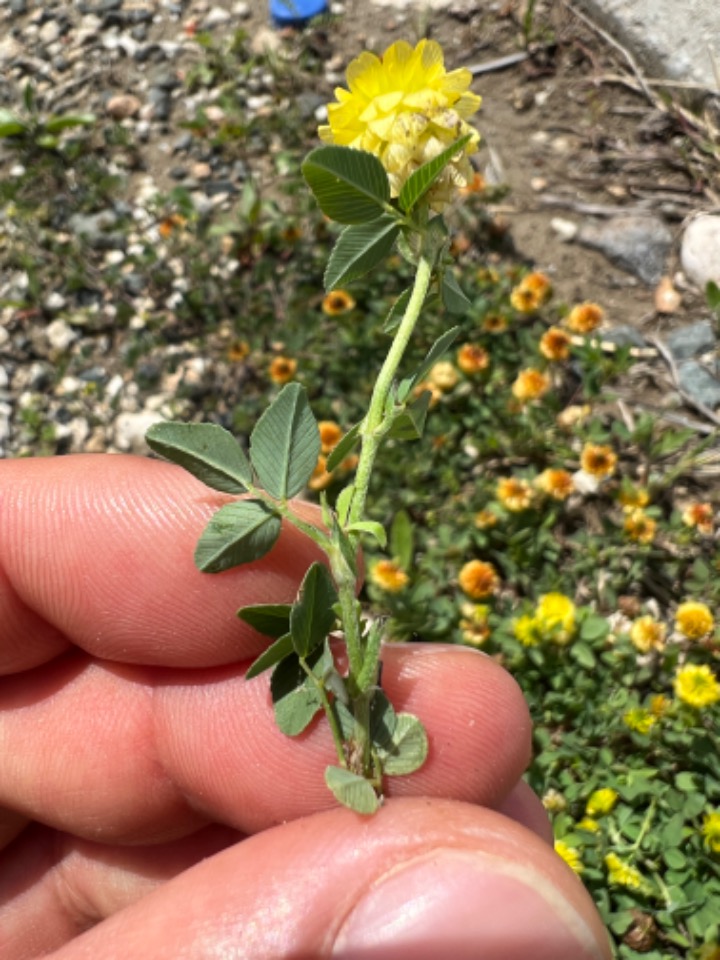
(371, 432)
(329, 713)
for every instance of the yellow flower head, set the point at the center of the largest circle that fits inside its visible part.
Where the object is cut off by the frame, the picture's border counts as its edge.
(320, 478)
(472, 359)
(443, 375)
(573, 415)
(389, 576)
(622, 873)
(238, 351)
(474, 624)
(282, 369)
(588, 824)
(599, 460)
(659, 705)
(555, 344)
(330, 435)
(601, 802)
(514, 494)
(631, 497)
(648, 634)
(479, 579)
(554, 801)
(485, 519)
(525, 629)
(494, 323)
(696, 685)
(571, 855)
(694, 620)
(531, 293)
(405, 108)
(700, 516)
(639, 719)
(711, 831)
(557, 484)
(338, 302)
(584, 318)
(638, 526)
(555, 618)
(530, 384)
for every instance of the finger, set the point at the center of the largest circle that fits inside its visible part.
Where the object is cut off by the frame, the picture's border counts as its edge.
(419, 880)
(133, 754)
(98, 551)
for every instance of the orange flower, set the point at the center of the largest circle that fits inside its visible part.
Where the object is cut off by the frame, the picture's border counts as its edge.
(485, 519)
(531, 293)
(472, 359)
(238, 350)
(700, 516)
(479, 579)
(584, 318)
(557, 484)
(476, 185)
(330, 435)
(633, 498)
(338, 302)
(389, 576)
(282, 369)
(514, 494)
(530, 384)
(494, 323)
(639, 526)
(599, 460)
(555, 344)
(320, 478)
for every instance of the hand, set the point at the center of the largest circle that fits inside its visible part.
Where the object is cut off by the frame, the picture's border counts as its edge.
(146, 793)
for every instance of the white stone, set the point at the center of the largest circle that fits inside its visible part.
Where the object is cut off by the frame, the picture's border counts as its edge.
(60, 334)
(54, 301)
(130, 430)
(216, 17)
(700, 250)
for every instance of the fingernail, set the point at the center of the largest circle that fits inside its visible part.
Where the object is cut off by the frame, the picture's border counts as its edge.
(455, 904)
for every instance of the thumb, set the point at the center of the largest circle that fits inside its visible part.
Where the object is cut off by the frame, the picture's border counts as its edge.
(419, 880)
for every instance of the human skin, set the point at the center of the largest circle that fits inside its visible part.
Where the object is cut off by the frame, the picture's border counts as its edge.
(149, 806)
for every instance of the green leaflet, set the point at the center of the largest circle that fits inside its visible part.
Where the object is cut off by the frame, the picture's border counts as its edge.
(238, 533)
(206, 450)
(285, 444)
(350, 186)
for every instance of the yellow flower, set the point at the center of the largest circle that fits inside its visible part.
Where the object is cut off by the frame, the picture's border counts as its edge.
(426, 386)
(485, 519)
(700, 516)
(587, 823)
(479, 579)
(571, 855)
(557, 484)
(282, 370)
(555, 344)
(389, 576)
(622, 873)
(555, 618)
(638, 526)
(711, 831)
(648, 634)
(530, 384)
(659, 705)
(525, 629)
(573, 415)
(494, 323)
(601, 802)
(584, 318)
(474, 624)
(693, 620)
(599, 460)
(472, 359)
(639, 720)
(631, 497)
(330, 435)
(554, 801)
(514, 494)
(238, 351)
(320, 478)
(406, 109)
(531, 293)
(696, 685)
(443, 375)
(338, 302)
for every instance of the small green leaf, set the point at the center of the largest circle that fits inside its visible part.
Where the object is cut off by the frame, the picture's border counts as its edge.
(712, 295)
(359, 248)
(69, 120)
(274, 654)
(238, 533)
(397, 311)
(368, 674)
(442, 344)
(594, 628)
(352, 790)
(372, 527)
(271, 619)
(10, 125)
(401, 539)
(206, 450)
(453, 298)
(343, 448)
(409, 423)
(296, 697)
(350, 186)
(583, 655)
(312, 617)
(419, 182)
(409, 748)
(344, 502)
(285, 444)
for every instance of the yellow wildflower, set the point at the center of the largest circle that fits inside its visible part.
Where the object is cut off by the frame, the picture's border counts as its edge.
(474, 624)
(338, 302)
(711, 831)
(555, 344)
(639, 720)
(573, 415)
(531, 293)
(330, 435)
(700, 516)
(622, 873)
(282, 370)
(631, 497)
(526, 631)
(571, 855)
(406, 109)
(557, 484)
(648, 634)
(638, 526)
(494, 323)
(584, 318)
(238, 351)
(554, 801)
(587, 823)
(601, 802)
(472, 359)
(696, 685)
(485, 519)
(479, 579)
(514, 494)
(444, 376)
(599, 460)
(555, 618)
(530, 384)
(389, 576)
(694, 620)
(320, 478)
(659, 705)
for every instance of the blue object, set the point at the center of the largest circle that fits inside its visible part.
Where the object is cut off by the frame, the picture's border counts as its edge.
(293, 13)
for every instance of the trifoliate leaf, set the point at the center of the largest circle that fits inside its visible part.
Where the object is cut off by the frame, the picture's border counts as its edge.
(352, 790)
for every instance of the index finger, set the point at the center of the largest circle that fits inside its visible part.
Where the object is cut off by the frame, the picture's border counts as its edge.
(97, 551)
